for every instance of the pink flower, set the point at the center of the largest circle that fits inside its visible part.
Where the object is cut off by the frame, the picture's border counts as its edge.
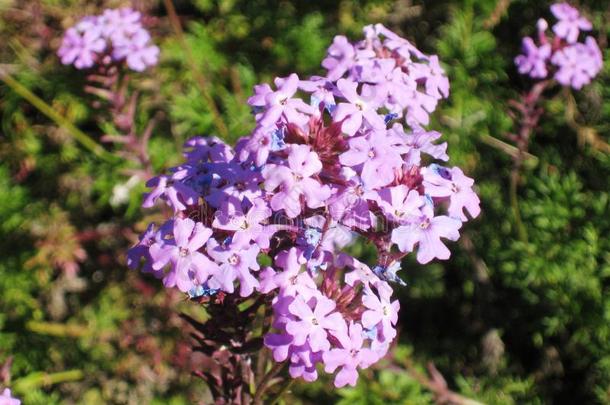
(340, 57)
(116, 35)
(335, 179)
(292, 280)
(578, 63)
(81, 45)
(294, 181)
(189, 266)
(350, 206)
(359, 108)
(570, 22)
(312, 320)
(276, 104)
(177, 194)
(7, 399)
(400, 204)
(247, 227)
(349, 357)
(534, 59)
(235, 263)
(427, 232)
(452, 183)
(381, 313)
(377, 155)
(138, 52)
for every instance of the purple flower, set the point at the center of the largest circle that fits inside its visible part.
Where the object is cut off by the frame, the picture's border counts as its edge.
(138, 53)
(359, 107)
(534, 59)
(427, 232)
(118, 33)
(570, 22)
(172, 189)
(276, 104)
(81, 45)
(235, 263)
(377, 155)
(257, 146)
(189, 266)
(119, 25)
(234, 183)
(295, 181)
(457, 186)
(207, 149)
(280, 344)
(361, 273)
(292, 279)
(350, 206)
(141, 251)
(349, 357)
(303, 363)
(247, 227)
(421, 141)
(312, 320)
(437, 83)
(400, 204)
(381, 312)
(340, 57)
(578, 63)
(321, 89)
(7, 399)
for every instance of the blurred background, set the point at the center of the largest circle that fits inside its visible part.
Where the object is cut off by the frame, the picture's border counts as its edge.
(510, 319)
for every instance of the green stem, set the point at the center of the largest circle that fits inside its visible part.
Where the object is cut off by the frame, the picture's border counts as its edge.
(514, 202)
(58, 329)
(42, 379)
(47, 110)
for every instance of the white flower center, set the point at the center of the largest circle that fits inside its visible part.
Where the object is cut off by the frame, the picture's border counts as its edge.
(233, 260)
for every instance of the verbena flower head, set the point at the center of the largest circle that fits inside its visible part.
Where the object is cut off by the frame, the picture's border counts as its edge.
(333, 159)
(115, 36)
(7, 399)
(570, 62)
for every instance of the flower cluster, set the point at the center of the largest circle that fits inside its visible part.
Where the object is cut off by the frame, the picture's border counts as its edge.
(312, 177)
(114, 36)
(572, 63)
(7, 399)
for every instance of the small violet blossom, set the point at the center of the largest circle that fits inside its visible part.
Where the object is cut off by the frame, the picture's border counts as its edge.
(349, 357)
(295, 181)
(534, 59)
(189, 265)
(570, 22)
